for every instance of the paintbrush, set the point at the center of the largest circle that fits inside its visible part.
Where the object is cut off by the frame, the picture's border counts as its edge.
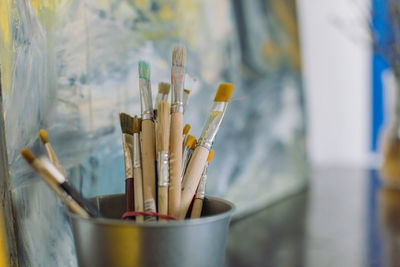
(185, 131)
(163, 92)
(201, 190)
(51, 175)
(186, 94)
(148, 140)
(177, 81)
(44, 137)
(137, 169)
(200, 154)
(163, 163)
(126, 122)
(187, 153)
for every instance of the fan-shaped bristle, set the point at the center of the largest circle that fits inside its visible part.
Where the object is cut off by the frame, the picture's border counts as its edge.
(144, 70)
(210, 155)
(224, 92)
(179, 56)
(27, 155)
(136, 124)
(44, 136)
(126, 122)
(186, 129)
(163, 88)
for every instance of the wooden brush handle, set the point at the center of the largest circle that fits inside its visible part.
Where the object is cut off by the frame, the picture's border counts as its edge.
(148, 159)
(175, 164)
(192, 178)
(53, 158)
(129, 195)
(197, 207)
(74, 207)
(138, 188)
(163, 125)
(163, 201)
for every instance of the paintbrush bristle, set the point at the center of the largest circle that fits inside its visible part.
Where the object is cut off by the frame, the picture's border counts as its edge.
(224, 92)
(186, 91)
(136, 124)
(27, 155)
(144, 70)
(43, 136)
(163, 88)
(126, 122)
(190, 141)
(186, 129)
(179, 56)
(210, 155)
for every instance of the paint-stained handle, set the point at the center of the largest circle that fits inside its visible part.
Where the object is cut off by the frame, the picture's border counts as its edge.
(192, 178)
(175, 164)
(148, 168)
(197, 207)
(138, 187)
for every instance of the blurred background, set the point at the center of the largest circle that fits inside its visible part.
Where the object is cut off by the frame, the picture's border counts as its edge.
(300, 149)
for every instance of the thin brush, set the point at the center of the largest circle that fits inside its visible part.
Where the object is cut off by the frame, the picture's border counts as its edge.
(177, 81)
(201, 190)
(163, 163)
(187, 153)
(186, 94)
(44, 137)
(126, 122)
(48, 175)
(185, 131)
(137, 169)
(148, 140)
(199, 157)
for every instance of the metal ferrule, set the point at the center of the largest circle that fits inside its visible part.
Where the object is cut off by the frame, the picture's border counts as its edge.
(185, 100)
(160, 98)
(201, 190)
(49, 170)
(127, 143)
(163, 168)
(184, 138)
(214, 121)
(186, 155)
(136, 151)
(146, 99)
(177, 81)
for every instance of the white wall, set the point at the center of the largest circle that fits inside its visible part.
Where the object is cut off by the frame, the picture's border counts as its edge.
(336, 65)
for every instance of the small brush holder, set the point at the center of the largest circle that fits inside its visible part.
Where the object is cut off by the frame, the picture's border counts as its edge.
(109, 241)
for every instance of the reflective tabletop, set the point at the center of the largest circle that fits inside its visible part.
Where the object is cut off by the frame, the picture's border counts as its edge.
(345, 218)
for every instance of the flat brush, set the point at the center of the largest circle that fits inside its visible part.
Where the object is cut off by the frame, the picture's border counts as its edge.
(200, 154)
(162, 159)
(44, 137)
(48, 176)
(187, 153)
(163, 92)
(185, 131)
(126, 122)
(186, 94)
(137, 169)
(148, 140)
(177, 82)
(201, 190)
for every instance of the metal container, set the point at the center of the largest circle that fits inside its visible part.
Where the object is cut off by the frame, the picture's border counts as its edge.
(112, 242)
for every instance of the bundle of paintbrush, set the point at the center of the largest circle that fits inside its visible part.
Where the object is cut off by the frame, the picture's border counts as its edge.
(165, 166)
(54, 175)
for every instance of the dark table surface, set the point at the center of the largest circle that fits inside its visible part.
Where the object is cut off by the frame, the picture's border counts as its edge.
(346, 218)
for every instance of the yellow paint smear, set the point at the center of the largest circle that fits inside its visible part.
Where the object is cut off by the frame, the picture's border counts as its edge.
(6, 44)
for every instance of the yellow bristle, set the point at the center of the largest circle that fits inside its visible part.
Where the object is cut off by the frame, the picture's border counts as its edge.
(163, 88)
(210, 155)
(186, 129)
(224, 92)
(190, 141)
(27, 155)
(44, 136)
(186, 91)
